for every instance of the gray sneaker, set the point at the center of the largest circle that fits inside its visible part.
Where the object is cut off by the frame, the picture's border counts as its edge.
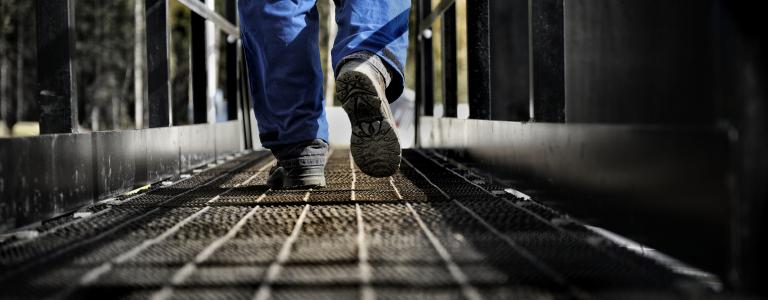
(300, 165)
(360, 88)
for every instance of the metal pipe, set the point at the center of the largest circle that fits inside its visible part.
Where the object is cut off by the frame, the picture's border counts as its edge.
(426, 23)
(221, 22)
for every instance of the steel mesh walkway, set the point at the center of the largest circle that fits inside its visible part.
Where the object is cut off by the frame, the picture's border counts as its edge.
(432, 231)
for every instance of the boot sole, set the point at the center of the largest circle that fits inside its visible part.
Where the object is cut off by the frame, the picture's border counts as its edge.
(280, 181)
(289, 184)
(375, 145)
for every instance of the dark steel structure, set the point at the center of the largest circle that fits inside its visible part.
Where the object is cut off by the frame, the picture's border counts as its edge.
(479, 59)
(646, 117)
(547, 60)
(159, 88)
(62, 170)
(199, 72)
(425, 70)
(434, 229)
(57, 92)
(641, 114)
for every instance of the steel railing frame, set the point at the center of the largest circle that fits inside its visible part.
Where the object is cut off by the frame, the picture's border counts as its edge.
(62, 169)
(630, 167)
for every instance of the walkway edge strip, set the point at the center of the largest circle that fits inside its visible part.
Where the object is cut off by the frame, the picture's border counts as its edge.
(523, 252)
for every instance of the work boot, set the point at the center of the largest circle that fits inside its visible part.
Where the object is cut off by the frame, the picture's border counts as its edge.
(360, 87)
(300, 165)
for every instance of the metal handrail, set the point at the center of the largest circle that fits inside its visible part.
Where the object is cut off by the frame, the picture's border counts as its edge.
(477, 58)
(134, 158)
(426, 23)
(210, 15)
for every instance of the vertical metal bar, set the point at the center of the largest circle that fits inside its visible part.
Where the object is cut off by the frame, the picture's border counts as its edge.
(479, 59)
(139, 63)
(245, 98)
(199, 76)
(743, 80)
(157, 63)
(547, 72)
(510, 71)
(231, 89)
(749, 209)
(427, 94)
(243, 88)
(57, 86)
(419, 87)
(333, 29)
(450, 85)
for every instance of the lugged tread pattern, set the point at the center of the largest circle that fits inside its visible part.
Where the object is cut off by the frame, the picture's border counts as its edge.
(375, 145)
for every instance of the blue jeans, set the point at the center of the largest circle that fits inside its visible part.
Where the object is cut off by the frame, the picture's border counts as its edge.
(280, 39)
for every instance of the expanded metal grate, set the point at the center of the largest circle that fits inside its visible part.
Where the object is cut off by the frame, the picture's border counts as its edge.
(432, 231)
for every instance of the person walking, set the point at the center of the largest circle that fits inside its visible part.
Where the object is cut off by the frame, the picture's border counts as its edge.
(280, 41)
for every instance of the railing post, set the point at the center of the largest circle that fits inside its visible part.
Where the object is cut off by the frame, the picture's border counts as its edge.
(157, 63)
(510, 71)
(426, 70)
(199, 75)
(479, 59)
(240, 98)
(417, 101)
(232, 79)
(245, 97)
(450, 86)
(547, 72)
(57, 85)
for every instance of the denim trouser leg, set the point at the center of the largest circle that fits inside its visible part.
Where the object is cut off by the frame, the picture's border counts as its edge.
(376, 26)
(280, 39)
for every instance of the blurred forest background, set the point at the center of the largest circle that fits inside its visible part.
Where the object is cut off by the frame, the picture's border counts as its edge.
(110, 48)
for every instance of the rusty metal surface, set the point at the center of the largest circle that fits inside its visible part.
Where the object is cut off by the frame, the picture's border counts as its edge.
(424, 233)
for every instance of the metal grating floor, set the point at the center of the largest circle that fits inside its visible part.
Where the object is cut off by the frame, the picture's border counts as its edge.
(426, 233)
